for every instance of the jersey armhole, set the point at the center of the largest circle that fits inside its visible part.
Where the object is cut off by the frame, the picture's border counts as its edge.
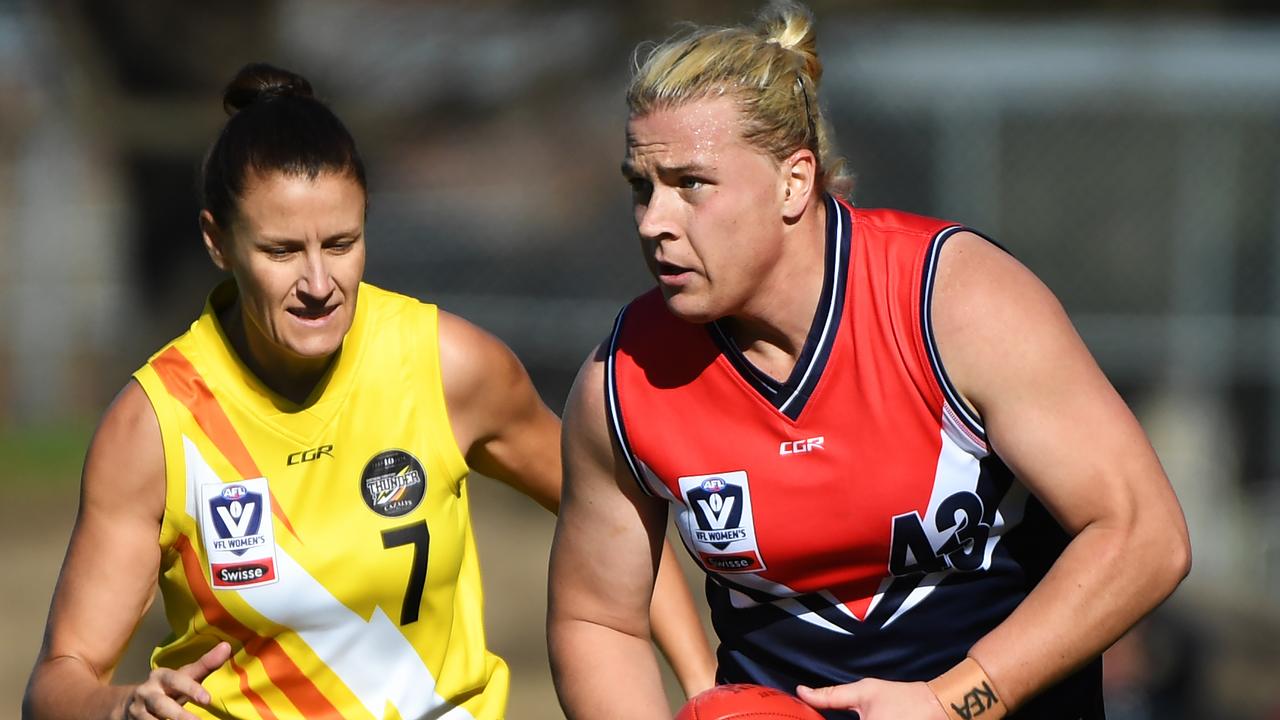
(175, 494)
(451, 454)
(960, 420)
(613, 406)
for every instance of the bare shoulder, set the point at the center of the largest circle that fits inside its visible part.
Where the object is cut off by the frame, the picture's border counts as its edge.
(995, 320)
(587, 396)
(471, 357)
(586, 430)
(487, 390)
(125, 465)
(977, 283)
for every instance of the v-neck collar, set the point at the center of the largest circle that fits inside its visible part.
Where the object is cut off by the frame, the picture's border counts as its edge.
(264, 402)
(791, 396)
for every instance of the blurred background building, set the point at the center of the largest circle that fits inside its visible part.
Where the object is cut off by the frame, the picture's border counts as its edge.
(1128, 152)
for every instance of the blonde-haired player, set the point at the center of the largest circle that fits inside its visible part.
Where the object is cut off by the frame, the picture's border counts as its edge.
(908, 482)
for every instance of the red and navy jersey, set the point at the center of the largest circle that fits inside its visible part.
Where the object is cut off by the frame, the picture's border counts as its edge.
(852, 520)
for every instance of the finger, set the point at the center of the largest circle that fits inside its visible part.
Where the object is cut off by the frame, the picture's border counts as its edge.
(207, 663)
(182, 687)
(836, 697)
(137, 710)
(164, 707)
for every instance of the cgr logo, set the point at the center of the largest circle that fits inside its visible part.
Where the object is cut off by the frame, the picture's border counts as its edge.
(799, 447)
(309, 455)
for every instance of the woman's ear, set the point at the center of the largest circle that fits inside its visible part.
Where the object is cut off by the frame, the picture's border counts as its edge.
(215, 240)
(798, 182)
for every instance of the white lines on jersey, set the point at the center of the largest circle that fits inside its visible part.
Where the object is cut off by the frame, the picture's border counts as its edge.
(611, 400)
(373, 659)
(197, 472)
(957, 471)
(835, 602)
(803, 613)
(917, 595)
(961, 433)
(833, 317)
(655, 483)
(788, 605)
(935, 359)
(764, 585)
(1008, 516)
(880, 591)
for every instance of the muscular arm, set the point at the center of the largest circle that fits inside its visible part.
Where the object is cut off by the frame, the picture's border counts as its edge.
(108, 578)
(507, 433)
(1051, 415)
(603, 565)
(1064, 431)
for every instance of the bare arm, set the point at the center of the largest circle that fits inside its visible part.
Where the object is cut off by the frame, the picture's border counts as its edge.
(1069, 437)
(509, 434)
(108, 580)
(603, 565)
(1053, 417)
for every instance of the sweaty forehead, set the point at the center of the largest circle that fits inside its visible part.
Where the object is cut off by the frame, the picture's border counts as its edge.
(693, 133)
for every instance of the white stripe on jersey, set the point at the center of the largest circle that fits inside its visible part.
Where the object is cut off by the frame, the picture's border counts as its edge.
(833, 313)
(373, 659)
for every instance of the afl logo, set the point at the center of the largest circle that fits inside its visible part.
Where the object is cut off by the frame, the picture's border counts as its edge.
(718, 512)
(393, 483)
(235, 492)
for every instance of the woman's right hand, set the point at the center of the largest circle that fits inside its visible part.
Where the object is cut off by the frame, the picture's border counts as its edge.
(165, 690)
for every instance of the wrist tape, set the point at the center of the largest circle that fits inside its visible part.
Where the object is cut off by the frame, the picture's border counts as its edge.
(966, 693)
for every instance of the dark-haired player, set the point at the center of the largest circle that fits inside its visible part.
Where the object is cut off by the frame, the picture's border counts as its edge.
(293, 470)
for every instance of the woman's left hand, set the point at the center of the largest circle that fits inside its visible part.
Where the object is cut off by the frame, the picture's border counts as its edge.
(877, 700)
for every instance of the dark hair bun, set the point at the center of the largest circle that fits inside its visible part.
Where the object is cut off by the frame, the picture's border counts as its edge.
(260, 81)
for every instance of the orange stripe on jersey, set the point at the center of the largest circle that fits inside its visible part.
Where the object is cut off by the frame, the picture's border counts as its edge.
(254, 698)
(184, 383)
(281, 669)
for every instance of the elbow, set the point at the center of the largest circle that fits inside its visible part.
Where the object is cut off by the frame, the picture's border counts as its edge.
(1169, 558)
(1180, 553)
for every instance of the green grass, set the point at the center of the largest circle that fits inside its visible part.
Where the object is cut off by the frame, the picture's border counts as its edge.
(44, 458)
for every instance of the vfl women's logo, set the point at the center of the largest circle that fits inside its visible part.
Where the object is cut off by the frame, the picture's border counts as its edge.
(393, 483)
(237, 513)
(238, 538)
(719, 515)
(717, 522)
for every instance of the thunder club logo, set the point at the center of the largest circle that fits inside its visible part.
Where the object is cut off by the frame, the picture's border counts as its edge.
(717, 521)
(393, 483)
(236, 527)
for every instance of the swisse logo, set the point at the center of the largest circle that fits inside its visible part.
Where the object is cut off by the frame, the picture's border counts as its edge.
(730, 563)
(241, 574)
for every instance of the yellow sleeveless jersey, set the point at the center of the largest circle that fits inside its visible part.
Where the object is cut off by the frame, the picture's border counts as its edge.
(329, 542)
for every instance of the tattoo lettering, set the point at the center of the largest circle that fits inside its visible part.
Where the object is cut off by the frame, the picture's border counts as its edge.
(976, 702)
